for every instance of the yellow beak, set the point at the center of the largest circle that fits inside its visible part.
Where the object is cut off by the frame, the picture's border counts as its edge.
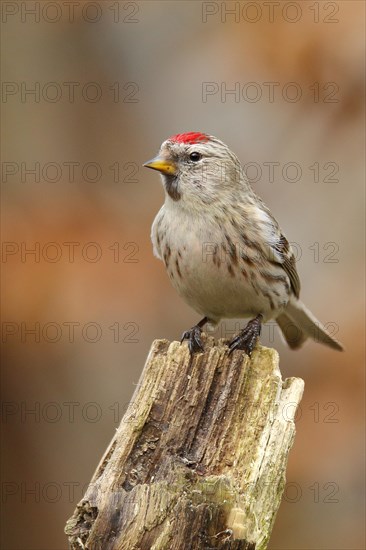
(162, 165)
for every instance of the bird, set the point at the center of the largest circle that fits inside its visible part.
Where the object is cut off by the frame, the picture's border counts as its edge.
(224, 251)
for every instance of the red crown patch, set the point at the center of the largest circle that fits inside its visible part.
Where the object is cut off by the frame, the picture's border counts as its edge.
(190, 137)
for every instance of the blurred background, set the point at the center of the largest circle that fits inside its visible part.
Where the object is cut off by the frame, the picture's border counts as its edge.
(90, 90)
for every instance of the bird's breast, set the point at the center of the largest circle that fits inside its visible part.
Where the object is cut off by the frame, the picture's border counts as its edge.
(213, 270)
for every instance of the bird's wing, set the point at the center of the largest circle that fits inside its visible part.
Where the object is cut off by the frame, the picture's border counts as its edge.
(270, 240)
(277, 248)
(156, 233)
(283, 254)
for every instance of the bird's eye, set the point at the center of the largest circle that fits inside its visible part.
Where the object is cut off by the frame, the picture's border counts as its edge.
(195, 156)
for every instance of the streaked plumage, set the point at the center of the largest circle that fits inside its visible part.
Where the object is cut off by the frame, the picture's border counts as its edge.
(224, 252)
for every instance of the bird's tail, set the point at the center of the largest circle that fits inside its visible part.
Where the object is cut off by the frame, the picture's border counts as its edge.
(297, 324)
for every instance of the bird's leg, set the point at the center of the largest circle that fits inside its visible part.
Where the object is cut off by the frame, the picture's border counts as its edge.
(248, 337)
(193, 335)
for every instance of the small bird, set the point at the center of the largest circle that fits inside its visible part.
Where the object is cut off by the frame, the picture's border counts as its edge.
(223, 250)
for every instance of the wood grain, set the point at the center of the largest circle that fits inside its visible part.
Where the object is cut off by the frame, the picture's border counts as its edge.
(199, 459)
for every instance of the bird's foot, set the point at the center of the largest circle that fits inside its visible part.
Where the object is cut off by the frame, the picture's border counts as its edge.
(193, 335)
(248, 337)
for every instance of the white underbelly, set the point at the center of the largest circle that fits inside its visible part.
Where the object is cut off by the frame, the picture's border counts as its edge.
(213, 284)
(213, 292)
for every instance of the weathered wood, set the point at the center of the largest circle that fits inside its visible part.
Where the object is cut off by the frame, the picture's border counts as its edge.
(199, 459)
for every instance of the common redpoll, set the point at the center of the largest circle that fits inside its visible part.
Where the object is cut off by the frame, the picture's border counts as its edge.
(224, 251)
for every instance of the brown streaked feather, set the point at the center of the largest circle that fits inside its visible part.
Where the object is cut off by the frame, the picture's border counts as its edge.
(289, 264)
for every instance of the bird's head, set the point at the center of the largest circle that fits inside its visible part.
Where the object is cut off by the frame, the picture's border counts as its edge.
(197, 169)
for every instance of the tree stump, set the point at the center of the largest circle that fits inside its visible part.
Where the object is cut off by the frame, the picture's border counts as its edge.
(199, 459)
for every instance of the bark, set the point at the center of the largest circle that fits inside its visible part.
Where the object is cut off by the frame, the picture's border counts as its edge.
(199, 459)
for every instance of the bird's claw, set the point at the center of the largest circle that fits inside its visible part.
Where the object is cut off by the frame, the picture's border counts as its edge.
(193, 335)
(247, 338)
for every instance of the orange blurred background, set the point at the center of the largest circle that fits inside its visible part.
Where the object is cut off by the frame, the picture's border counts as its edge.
(90, 90)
